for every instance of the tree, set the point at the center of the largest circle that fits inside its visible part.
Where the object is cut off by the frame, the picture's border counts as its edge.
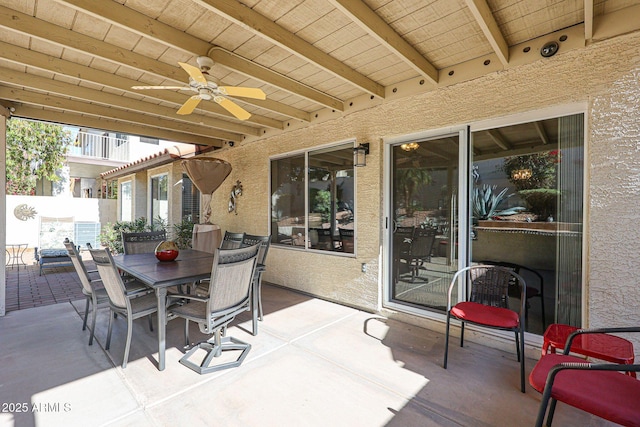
(409, 180)
(35, 150)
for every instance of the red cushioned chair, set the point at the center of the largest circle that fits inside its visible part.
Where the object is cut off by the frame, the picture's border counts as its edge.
(485, 303)
(599, 389)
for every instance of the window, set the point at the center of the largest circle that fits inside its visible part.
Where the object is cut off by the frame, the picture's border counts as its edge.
(190, 200)
(159, 200)
(312, 200)
(126, 202)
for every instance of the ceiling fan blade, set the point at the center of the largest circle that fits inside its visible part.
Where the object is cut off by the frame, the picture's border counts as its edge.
(190, 105)
(232, 107)
(194, 72)
(161, 87)
(245, 92)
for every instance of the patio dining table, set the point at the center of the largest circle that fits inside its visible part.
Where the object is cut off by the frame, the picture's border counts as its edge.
(189, 267)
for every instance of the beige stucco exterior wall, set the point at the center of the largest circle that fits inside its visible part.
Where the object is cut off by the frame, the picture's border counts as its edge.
(604, 76)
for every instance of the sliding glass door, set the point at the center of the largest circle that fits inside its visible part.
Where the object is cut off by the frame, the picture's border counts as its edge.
(511, 195)
(423, 220)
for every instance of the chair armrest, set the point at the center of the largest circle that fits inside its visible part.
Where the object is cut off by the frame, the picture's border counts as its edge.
(187, 297)
(569, 342)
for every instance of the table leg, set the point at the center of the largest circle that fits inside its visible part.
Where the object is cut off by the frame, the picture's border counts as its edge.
(161, 293)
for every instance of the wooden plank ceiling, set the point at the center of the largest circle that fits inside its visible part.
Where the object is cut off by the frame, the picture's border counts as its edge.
(75, 61)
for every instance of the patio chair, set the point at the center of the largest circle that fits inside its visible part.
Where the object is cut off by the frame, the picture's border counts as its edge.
(231, 240)
(321, 238)
(229, 295)
(261, 264)
(50, 252)
(131, 305)
(347, 240)
(532, 291)
(485, 303)
(599, 389)
(420, 251)
(402, 238)
(142, 242)
(92, 288)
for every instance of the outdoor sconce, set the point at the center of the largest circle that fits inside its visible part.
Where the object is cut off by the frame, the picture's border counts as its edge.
(360, 155)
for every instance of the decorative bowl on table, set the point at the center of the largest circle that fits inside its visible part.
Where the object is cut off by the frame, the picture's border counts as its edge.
(167, 251)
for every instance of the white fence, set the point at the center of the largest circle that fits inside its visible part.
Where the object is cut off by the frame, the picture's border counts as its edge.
(24, 213)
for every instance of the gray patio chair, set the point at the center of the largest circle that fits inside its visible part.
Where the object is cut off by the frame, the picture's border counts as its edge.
(264, 242)
(121, 301)
(485, 303)
(229, 295)
(231, 240)
(420, 250)
(92, 288)
(142, 242)
(93, 293)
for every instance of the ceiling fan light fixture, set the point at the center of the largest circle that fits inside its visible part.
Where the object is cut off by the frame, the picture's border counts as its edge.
(205, 63)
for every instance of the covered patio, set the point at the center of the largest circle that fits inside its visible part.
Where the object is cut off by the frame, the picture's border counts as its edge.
(314, 363)
(341, 343)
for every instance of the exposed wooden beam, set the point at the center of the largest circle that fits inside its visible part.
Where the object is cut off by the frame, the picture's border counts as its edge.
(256, 71)
(588, 20)
(111, 125)
(45, 62)
(498, 139)
(46, 31)
(483, 15)
(541, 132)
(252, 21)
(375, 26)
(81, 107)
(15, 78)
(141, 24)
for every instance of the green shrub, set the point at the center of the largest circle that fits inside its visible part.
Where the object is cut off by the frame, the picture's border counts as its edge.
(541, 202)
(485, 203)
(111, 236)
(183, 233)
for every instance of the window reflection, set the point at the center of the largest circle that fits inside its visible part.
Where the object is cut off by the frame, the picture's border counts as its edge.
(314, 209)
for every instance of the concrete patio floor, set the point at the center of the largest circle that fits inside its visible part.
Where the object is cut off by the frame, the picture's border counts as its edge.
(313, 363)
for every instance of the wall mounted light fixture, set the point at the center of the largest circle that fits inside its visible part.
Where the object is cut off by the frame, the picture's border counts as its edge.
(360, 155)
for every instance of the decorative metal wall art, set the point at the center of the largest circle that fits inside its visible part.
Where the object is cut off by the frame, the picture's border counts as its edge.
(236, 191)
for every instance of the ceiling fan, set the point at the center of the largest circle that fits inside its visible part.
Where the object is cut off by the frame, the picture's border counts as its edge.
(208, 90)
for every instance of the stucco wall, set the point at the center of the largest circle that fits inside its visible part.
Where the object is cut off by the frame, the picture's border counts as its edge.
(605, 76)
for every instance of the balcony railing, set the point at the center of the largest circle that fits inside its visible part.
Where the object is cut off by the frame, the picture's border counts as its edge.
(100, 147)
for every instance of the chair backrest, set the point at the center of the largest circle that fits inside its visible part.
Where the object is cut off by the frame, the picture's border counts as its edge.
(231, 240)
(489, 285)
(402, 238)
(422, 242)
(231, 278)
(110, 276)
(347, 239)
(325, 238)
(81, 269)
(142, 242)
(264, 241)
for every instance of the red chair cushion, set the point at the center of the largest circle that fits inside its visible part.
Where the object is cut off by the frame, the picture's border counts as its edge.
(496, 317)
(609, 395)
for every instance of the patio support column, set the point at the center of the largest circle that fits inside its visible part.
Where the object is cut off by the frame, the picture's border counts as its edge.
(4, 114)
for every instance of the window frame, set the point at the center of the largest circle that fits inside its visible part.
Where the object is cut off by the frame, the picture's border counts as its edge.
(151, 195)
(306, 153)
(130, 183)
